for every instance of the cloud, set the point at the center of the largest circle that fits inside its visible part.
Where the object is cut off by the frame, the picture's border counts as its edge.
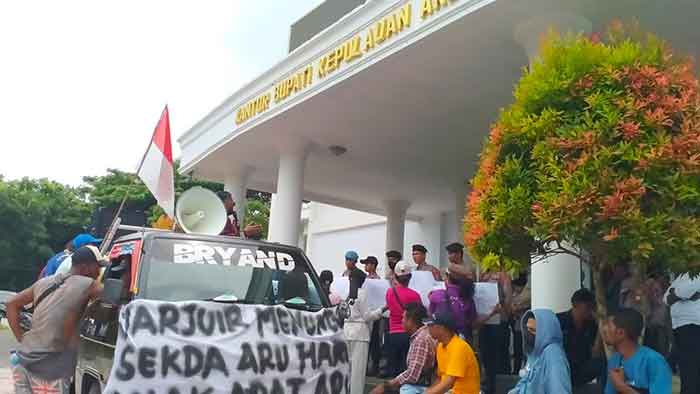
(82, 83)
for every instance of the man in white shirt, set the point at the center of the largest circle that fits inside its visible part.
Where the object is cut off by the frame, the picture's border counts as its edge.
(684, 299)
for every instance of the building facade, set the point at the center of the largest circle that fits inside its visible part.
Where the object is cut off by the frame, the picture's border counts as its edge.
(378, 113)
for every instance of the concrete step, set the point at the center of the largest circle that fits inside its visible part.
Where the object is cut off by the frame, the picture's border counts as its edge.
(503, 384)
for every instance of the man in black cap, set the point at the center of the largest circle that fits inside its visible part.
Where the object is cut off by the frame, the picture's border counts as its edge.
(392, 257)
(456, 264)
(419, 252)
(48, 351)
(370, 264)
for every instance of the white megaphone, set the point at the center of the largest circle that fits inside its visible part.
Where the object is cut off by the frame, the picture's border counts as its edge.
(201, 211)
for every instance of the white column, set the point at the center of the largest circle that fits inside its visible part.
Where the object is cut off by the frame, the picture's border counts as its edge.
(556, 278)
(395, 224)
(460, 208)
(285, 221)
(236, 183)
(271, 225)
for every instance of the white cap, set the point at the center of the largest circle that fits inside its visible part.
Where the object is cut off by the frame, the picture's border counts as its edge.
(402, 268)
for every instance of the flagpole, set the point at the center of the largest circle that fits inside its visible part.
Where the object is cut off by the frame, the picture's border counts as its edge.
(111, 230)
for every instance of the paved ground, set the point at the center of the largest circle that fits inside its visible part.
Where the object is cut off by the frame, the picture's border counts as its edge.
(7, 342)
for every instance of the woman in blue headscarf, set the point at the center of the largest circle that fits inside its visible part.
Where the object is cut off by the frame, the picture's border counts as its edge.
(547, 369)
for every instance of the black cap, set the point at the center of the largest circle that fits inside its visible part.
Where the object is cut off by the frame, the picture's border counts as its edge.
(394, 253)
(419, 248)
(444, 319)
(370, 260)
(455, 247)
(86, 255)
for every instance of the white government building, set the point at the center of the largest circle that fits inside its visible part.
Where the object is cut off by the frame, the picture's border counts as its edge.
(378, 113)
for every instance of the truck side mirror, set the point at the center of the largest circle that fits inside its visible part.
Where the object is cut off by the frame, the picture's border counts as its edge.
(112, 292)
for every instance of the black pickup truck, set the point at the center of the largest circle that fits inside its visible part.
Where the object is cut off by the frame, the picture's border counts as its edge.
(171, 266)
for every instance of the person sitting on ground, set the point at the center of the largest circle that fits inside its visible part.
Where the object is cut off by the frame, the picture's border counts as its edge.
(419, 253)
(326, 281)
(351, 258)
(357, 330)
(420, 361)
(370, 264)
(396, 342)
(633, 368)
(580, 330)
(457, 368)
(547, 370)
(49, 350)
(457, 299)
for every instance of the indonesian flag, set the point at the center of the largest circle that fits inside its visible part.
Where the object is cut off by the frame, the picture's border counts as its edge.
(156, 169)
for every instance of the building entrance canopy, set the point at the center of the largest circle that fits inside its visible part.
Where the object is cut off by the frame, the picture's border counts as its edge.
(393, 101)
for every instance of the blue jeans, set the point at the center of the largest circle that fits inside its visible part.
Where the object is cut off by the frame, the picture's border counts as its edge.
(412, 389)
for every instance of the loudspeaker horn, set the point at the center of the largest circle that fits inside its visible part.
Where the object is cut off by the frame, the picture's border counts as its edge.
(199, 210)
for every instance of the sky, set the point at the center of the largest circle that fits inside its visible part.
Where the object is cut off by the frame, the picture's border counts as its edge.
(83, 83)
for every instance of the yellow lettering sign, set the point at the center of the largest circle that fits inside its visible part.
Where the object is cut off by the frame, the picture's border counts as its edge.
(383, 30)
(388, 27)
(346, 52)
(252, 108)
(404, 17)
(294, 84)
(429, 7)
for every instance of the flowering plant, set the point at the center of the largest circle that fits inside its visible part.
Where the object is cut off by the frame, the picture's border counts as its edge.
(600, 152)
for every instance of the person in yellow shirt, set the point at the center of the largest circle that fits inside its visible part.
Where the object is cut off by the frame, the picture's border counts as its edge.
(457, 367)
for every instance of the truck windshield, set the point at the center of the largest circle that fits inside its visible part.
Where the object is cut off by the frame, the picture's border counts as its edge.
(180, 270)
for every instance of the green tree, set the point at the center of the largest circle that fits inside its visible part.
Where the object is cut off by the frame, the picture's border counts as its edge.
(109, 190)
(258, 212)
(37, 218)
(600, 152)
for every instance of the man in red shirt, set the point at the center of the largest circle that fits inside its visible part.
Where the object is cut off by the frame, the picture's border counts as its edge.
(233, 228)
(396, 342)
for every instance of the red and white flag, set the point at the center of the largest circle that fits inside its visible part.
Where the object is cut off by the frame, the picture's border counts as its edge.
(156, 169)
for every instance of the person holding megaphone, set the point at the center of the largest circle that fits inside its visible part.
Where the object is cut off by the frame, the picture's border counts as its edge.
(233, 229)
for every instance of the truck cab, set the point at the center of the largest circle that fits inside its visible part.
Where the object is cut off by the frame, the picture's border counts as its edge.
(168, 266)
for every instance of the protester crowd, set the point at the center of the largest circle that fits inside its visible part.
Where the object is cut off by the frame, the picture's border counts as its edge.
(446, 346)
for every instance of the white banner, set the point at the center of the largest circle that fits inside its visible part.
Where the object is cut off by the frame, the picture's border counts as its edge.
(421, 281)
(210, 348)
(341, 287)
(376, 292)
(486, 298)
